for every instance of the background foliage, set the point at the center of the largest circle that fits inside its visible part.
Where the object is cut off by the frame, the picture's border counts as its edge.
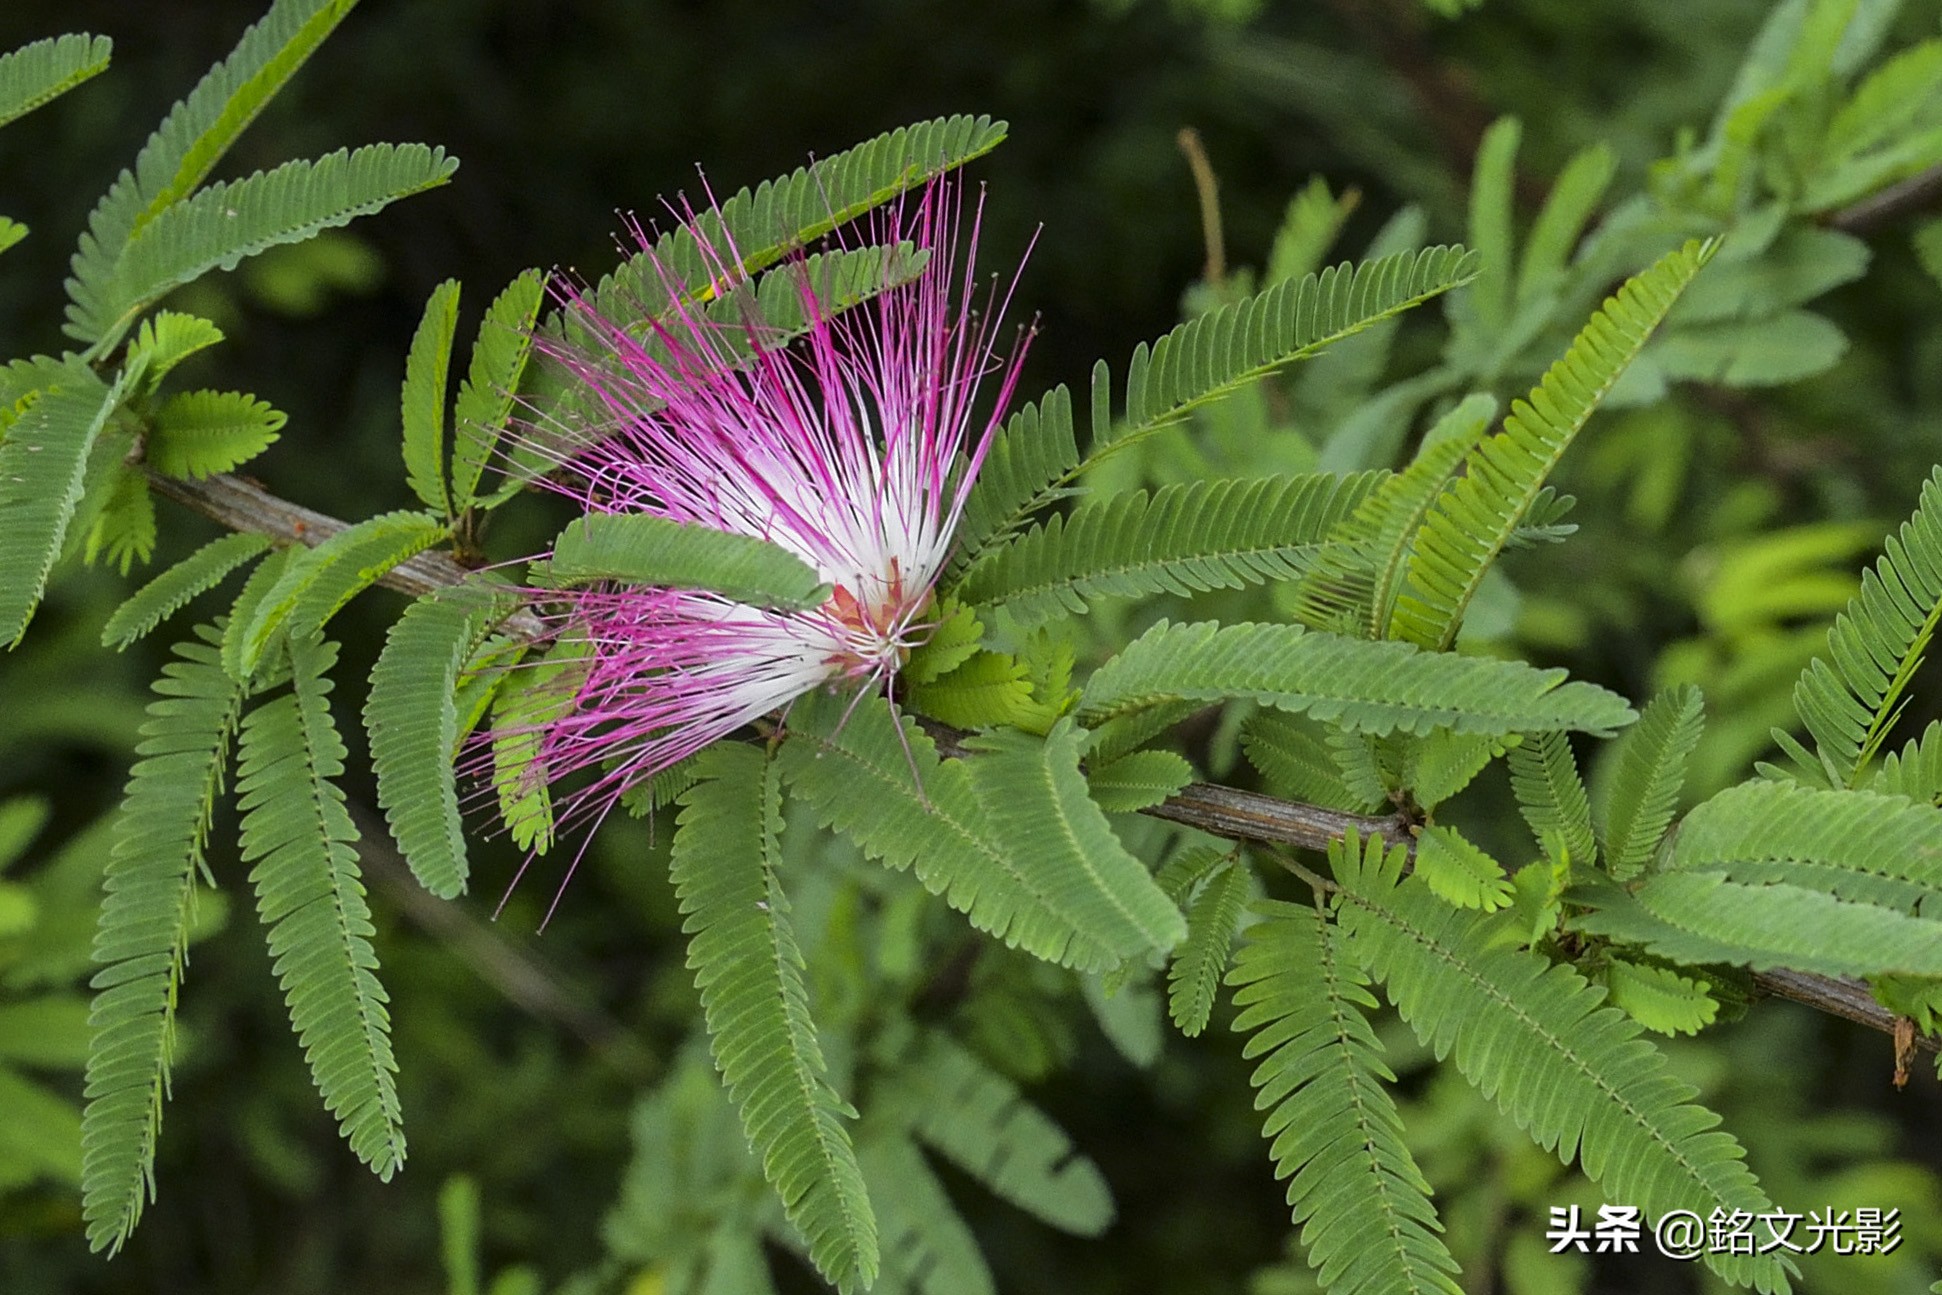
(556, 1108)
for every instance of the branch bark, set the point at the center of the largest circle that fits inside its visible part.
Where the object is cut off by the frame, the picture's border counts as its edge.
(1227, 812)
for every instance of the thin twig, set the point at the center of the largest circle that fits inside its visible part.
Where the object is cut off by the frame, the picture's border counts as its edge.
(1885, 207)
(1207, 189)
(1221, 811)
(525, 981)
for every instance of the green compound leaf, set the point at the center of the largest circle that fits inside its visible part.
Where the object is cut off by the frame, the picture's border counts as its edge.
(639, 549)
(1850, 696)
(180, 154)
(143, 936)
(1476, 516)
(976, 1118)
(1371, 687)
(197, 434)
(422, 400)
(1298, 762)
(750, 974)
(42, 71)
(1533, 1037)
(315, 584)
(956, 638)
(1024, 469)
(785, 214)
(123, 531)
(1367, 1224)
(858, 778)
(1201, 960)
(226, 222)
(530, 699)
(1036, 806)
(485, 399)
(1697, 917)
(1854, 844)
(43, 471)
(1352, 588)
(1036, 460)
(173, 589)
(1184, 539)
(1552, 797)
(413, 721)
(1235, 345)
(1649, 768)
(297, 833)
(928, 1249)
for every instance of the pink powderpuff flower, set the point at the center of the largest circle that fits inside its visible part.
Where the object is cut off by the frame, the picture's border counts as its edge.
(854, 447)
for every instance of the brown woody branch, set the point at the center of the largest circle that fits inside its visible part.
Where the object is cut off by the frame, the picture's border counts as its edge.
(243, 505)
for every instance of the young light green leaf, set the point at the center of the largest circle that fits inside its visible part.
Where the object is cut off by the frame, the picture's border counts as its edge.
(197, 434)
(987, 690)
(531, 698)
(640, 549)
(1659, 998)
(167, 338)
(1459, 872)
(956, 639)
